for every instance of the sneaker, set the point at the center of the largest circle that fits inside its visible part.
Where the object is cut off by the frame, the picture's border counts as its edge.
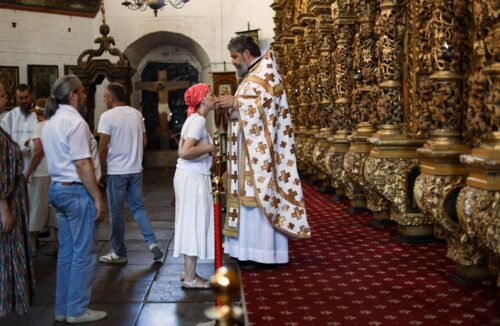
(157, 253)
(60, 318)
(89, 315)
(112, 258)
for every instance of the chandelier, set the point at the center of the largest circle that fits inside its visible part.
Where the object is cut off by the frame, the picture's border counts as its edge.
(153, 4)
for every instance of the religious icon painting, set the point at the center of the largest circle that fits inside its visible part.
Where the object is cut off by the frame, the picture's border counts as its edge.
(224, 84)
(41, 78)
(9, 77)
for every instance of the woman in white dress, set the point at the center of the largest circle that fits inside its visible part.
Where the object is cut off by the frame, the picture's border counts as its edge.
(194, 213)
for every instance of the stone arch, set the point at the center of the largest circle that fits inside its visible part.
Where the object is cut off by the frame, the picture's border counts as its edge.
(165, 47)
(149, 46)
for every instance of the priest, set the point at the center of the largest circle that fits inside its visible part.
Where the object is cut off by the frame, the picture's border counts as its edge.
(265, 204)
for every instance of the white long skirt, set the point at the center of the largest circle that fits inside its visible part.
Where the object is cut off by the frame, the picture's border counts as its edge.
(194, 215)
(257, 239)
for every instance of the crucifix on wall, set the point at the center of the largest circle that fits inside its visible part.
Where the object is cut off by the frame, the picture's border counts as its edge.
(162, 86)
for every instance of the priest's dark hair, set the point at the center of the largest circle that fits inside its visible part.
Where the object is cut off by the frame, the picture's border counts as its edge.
(118, 91)
(59, 93)
(244, 42)
(23, 88)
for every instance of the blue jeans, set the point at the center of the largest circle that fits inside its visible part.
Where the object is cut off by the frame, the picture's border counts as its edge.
(118, 186)
(77, 247)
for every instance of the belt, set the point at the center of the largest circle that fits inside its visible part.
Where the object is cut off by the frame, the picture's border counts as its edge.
(70, 183)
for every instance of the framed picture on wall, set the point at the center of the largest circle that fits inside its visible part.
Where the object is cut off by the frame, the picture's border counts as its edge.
(68, 69)
(253, 33)
(41, 78)
(9, 77)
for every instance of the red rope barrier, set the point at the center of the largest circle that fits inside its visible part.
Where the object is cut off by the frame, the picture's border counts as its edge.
(217, 235)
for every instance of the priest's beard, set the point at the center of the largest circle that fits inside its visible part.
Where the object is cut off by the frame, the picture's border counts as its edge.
(25, 109)
(242, 69)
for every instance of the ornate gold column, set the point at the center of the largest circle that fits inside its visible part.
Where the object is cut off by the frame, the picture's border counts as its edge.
(393, 160)
(322, 10)
(364, 112)
(300, 76)
(311, 104)
(478, 204)
(343, 31)
(437, 188)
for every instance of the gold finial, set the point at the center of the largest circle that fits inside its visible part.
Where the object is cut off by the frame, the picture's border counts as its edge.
(226, 285)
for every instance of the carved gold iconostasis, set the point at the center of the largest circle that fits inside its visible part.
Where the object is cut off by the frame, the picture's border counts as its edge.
(396, 107)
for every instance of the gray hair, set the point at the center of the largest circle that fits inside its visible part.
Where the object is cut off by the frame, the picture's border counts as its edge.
(59, 93)
(244, 42)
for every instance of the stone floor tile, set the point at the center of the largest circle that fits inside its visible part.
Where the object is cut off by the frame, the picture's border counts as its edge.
(171, 291)
(125, 273)
(173, 314)
(120, 292)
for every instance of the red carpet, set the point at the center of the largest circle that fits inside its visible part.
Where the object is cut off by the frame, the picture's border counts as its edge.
(351, 274)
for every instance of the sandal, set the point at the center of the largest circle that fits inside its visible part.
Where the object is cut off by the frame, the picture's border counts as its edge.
(195, 285)
(182, 275)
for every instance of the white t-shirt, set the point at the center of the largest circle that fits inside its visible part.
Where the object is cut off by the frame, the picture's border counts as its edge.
(41, 169)
(125, 126)
(20, 128)
(195, 127)
(66, 137)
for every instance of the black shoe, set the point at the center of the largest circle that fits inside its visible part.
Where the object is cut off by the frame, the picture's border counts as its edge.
(248, 265)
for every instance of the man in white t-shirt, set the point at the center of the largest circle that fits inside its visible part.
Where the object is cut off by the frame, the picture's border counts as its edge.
(121, 144)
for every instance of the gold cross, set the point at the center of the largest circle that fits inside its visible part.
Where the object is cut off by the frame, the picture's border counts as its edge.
(297, 213)
(268, 102)
(275, 202)
(256, 130)
(234, 176)
(233, 138)
(251, 111)
(273, 119)
(261, 148)
(278, 219)
(233, 215)
(269, 77)
(285, 176)
(292, 193)
(266, 166)
(288, 131)
(279, 158)
(285, 113)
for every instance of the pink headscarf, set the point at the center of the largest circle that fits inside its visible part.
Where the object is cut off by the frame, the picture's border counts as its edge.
(194, 95)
